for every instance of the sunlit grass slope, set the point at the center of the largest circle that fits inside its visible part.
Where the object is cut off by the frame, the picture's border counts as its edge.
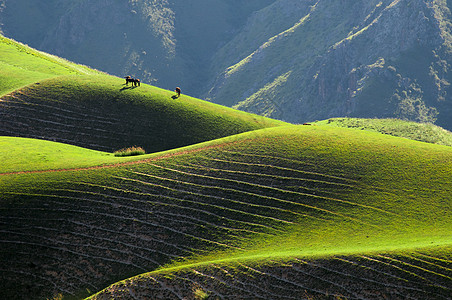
(25, 155)
(257, 213)
(424, 132)
(416, 274)
(100, 112)
(21, 65)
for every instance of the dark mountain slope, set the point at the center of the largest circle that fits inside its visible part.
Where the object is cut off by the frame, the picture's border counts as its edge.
(355, 58)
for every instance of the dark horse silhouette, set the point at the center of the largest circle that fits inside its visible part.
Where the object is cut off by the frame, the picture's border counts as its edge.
(134, 81)
(128, 79)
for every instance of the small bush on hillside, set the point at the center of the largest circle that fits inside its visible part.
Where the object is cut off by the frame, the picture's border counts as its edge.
(200, 294)
(57, 297)
(131, 151)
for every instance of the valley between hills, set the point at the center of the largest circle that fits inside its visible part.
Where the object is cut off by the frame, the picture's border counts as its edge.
(224, 205)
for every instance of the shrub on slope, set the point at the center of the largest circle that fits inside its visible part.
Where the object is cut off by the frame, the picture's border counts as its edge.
(284, 193)
(100, 112)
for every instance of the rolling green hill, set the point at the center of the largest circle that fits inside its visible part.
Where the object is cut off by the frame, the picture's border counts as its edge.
(225, 205)
(100, 112)
(273, 197)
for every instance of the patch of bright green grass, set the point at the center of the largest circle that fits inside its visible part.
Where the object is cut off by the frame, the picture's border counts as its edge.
(424, 132)
(23, 154)
(21, 65)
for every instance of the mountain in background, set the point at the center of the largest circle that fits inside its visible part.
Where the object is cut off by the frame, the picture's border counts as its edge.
(165, 43)
(292, 60)
(344, 58)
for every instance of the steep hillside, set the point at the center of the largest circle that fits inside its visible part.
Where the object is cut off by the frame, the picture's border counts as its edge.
(262, 212)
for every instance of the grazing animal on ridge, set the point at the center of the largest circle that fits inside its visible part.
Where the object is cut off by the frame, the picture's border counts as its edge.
(129, 79)
(134, 81)
(177, 90)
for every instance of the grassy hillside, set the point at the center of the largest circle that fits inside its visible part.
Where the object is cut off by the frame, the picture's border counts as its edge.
(49, 98)
(303, 199)
(46, 97)
(424, 132)
(21, 65)
(25, 155)
(100, 112)
(415, 274)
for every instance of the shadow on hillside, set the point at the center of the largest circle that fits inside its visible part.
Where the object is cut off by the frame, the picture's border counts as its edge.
(127, 88)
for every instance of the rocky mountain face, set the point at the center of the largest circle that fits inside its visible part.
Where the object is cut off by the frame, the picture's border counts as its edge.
(344, 58)
(287, 59)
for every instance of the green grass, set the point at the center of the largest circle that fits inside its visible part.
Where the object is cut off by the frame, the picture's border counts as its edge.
(24, 155)
(392, 174)
(105, 112)
(424, 132)
(272, 194)
(21, 65)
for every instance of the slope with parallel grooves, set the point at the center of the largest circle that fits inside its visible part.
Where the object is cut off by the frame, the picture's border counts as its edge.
(65, 232)
(146, 215)
(343, 277)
